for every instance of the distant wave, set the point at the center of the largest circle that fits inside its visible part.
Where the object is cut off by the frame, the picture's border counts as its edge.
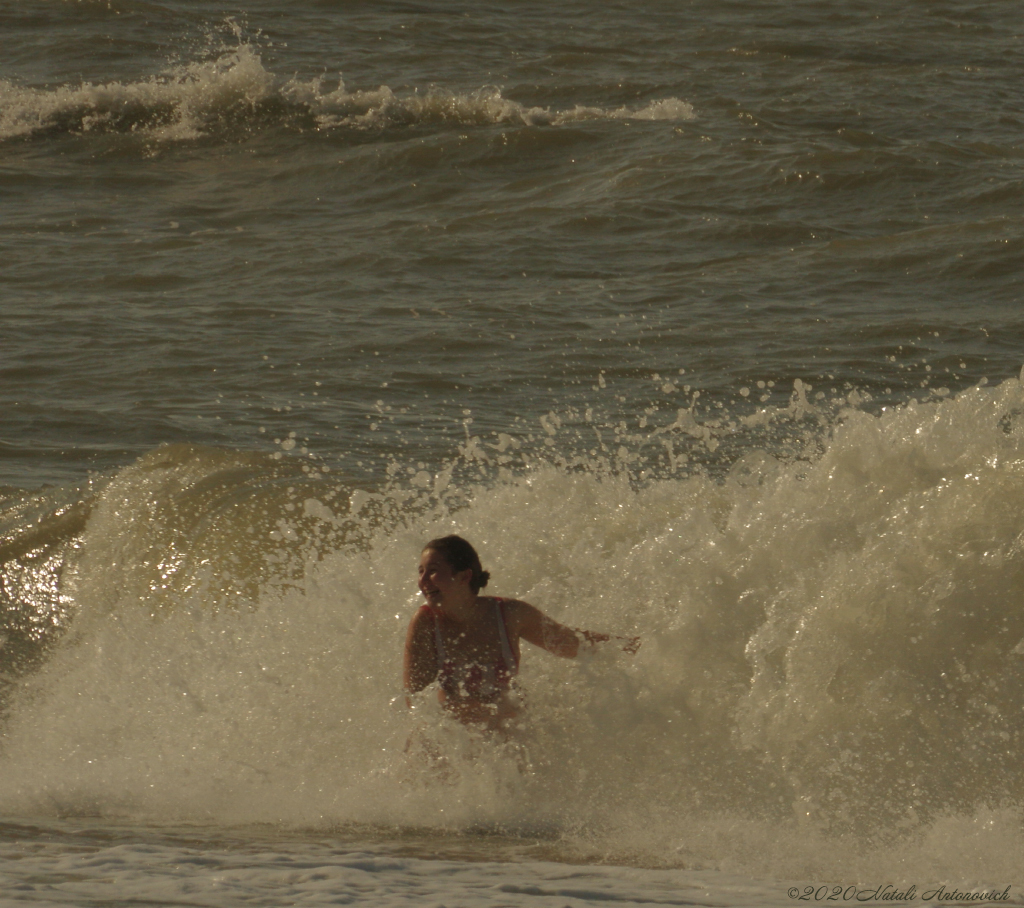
(235, 92)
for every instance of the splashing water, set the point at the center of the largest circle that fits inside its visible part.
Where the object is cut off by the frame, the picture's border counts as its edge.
(830, 679)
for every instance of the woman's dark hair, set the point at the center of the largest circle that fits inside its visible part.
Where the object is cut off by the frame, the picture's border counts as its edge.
(460, 556)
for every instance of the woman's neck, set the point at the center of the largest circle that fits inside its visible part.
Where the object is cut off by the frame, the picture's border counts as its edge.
(461, 610)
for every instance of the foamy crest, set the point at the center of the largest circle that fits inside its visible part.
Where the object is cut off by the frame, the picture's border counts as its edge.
(185, 104)
(484, 107)
(235, 91)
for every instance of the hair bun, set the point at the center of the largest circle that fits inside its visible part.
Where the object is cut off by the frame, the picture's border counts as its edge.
(484, 577)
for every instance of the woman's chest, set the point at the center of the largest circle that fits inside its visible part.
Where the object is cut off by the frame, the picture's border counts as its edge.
(479, 644)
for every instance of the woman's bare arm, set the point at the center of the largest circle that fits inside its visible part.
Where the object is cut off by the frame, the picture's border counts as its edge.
(537, 628)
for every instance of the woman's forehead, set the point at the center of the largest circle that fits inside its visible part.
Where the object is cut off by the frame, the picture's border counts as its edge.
(430, 555)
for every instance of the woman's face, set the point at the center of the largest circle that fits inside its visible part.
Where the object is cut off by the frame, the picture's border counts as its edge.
(437, 580)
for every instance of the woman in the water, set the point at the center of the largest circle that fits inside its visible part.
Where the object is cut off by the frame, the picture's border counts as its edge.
(470, 643)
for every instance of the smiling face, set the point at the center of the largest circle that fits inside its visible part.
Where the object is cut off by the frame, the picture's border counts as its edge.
(437, 580)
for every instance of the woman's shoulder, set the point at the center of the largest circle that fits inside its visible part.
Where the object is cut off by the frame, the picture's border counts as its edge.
(503, 602)
(514, 611)
(424, 615)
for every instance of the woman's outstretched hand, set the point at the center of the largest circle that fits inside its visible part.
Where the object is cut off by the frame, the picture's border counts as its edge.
(629, 644)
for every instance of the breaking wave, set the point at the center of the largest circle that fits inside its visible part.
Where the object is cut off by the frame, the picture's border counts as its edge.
(235, 93)
(831, 674)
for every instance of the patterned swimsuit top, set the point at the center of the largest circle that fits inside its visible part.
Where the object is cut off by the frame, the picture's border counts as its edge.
(483, 683)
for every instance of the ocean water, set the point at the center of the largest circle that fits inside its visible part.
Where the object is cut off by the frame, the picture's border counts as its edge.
(703, 321)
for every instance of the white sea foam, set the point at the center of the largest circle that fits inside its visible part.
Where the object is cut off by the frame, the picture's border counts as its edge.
(235, 89)
(180, 105)
(829, 680)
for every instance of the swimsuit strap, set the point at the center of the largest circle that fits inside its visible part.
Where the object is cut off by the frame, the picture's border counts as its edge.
(511, 664)
(438, 642)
